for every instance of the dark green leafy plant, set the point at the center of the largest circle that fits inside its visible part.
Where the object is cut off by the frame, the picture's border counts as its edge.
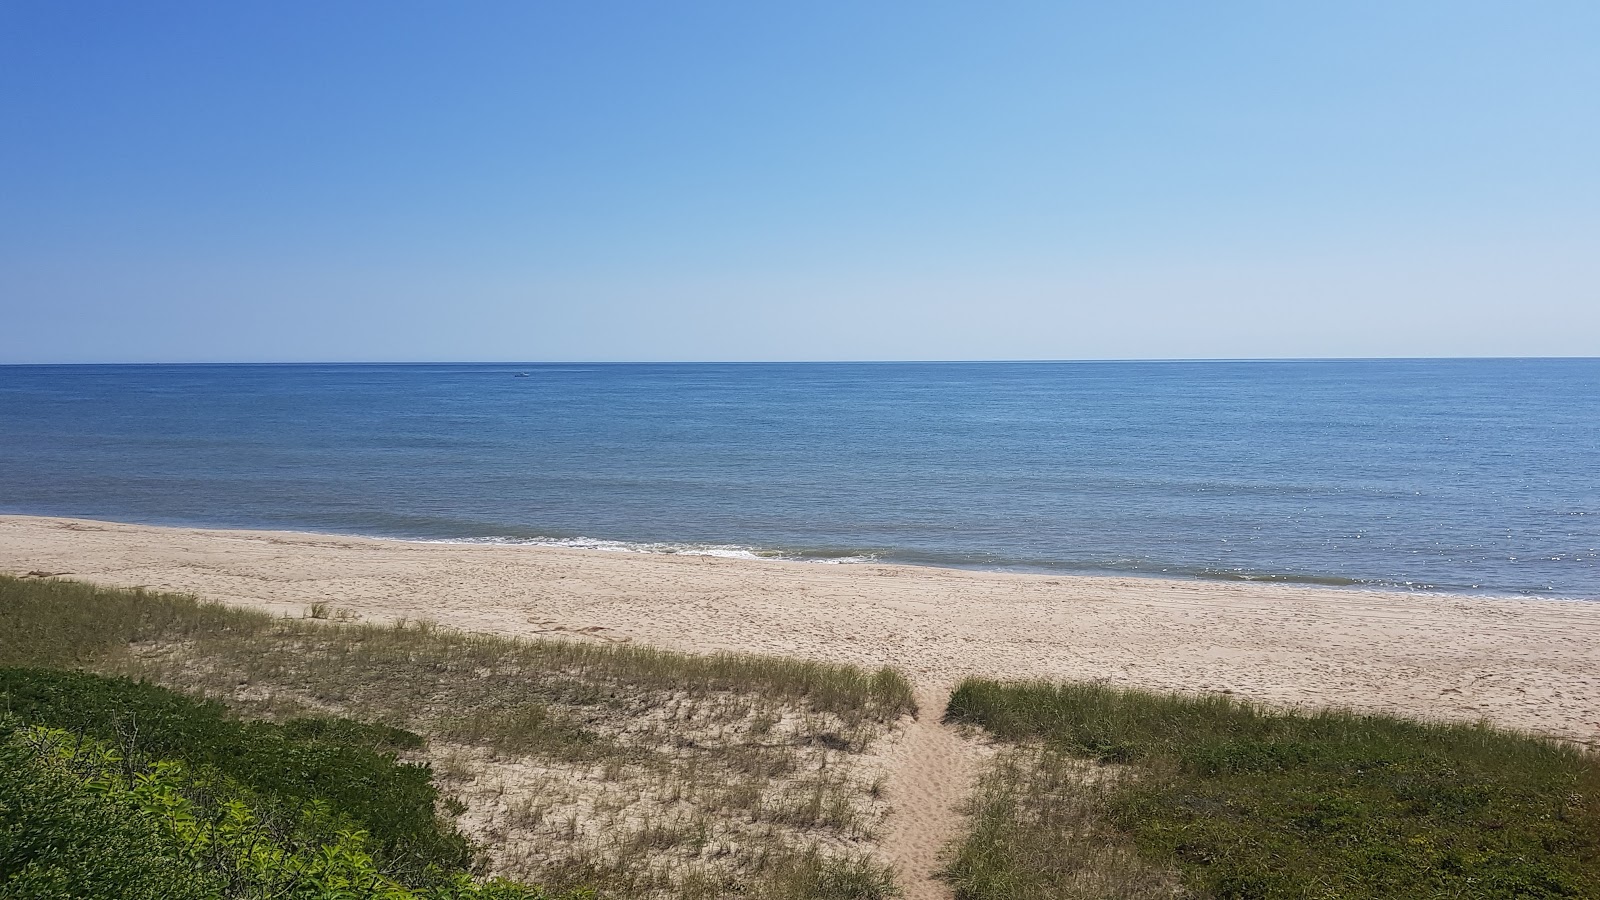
(347, 766)
(59, 840)
(80, 819)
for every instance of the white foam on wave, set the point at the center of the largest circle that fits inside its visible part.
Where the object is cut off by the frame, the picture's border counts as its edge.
(721, 551)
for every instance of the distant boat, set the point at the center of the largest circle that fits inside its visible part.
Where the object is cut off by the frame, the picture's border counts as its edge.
(522, 374)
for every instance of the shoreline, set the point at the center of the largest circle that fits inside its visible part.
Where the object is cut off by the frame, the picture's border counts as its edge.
(848, 558)
(859, 556)
(1521, 662)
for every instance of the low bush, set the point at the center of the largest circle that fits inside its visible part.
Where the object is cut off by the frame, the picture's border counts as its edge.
(79, 819)
(59, 839)
(347, 766)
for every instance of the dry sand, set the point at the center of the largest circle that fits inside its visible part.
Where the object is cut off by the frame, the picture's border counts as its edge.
(1527, 664)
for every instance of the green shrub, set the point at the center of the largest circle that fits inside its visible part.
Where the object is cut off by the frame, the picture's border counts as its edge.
(60, 840)
(287, 768)
(80, 820)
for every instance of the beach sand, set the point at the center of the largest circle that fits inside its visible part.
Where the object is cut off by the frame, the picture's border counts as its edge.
(1527, 664)
(1523, 663)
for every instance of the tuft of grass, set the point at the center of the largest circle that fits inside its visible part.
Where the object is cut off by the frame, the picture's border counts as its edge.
(787, 875)
(811, 876)
(529, 727)
(1243, 802)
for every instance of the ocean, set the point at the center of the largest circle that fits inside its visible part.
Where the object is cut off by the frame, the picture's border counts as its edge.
(1444, 475)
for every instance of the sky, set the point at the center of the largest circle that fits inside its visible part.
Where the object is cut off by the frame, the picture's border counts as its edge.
(408, 181)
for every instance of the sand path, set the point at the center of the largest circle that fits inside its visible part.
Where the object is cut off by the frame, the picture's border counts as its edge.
(1528, 664)
(933, 777)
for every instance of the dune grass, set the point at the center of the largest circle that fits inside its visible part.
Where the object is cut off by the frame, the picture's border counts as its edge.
(50, 622)
(1122, 794)
(640, 772)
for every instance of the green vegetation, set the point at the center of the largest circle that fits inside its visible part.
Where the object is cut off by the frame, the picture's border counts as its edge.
(633, 771)
(287, 770)
(1115, 793)
(60, 839)
(83, 819)
(69, 624)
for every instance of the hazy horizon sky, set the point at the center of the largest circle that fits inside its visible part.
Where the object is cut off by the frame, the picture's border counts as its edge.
(364, 181)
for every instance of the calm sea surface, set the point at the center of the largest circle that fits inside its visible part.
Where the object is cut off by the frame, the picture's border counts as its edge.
(1479, 475)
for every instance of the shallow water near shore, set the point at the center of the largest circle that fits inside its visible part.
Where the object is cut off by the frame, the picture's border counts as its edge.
(1456, 475)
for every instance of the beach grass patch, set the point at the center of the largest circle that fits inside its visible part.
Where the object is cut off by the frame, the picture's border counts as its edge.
(1221, 798)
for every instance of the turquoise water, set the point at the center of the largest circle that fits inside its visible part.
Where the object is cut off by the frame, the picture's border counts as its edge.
(1456, 475)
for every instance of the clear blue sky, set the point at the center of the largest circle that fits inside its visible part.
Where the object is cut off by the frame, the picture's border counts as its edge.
(293, 181)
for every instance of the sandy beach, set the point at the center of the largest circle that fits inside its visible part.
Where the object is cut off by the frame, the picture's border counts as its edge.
(1527, 664)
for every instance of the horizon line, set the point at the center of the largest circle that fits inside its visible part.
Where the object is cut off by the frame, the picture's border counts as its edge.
(790, 362)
